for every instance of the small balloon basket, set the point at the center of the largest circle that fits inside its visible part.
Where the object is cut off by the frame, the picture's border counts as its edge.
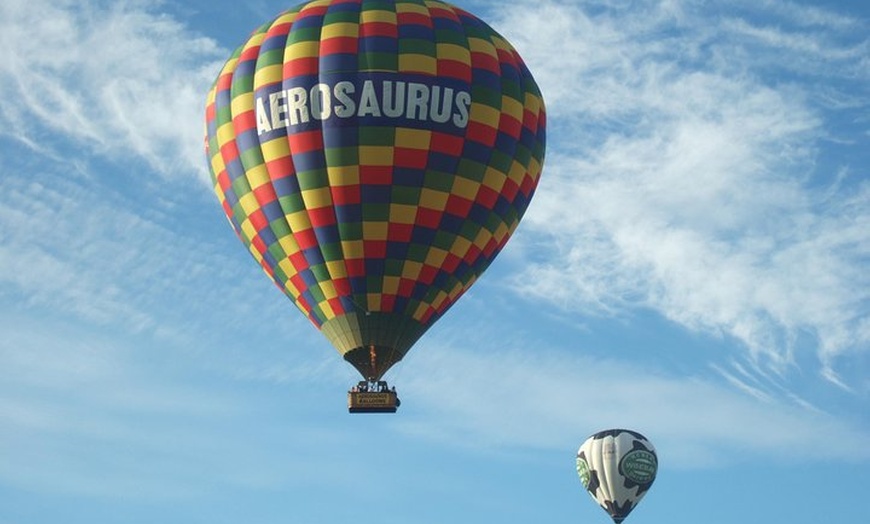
(372, 397)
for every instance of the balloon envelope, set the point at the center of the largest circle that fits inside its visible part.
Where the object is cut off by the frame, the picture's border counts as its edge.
(374, 157)
(617, 467)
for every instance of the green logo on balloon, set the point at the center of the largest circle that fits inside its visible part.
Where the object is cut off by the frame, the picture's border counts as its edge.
(583, 471)
(639, 466)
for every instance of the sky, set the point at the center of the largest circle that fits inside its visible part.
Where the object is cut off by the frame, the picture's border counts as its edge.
(694, 266)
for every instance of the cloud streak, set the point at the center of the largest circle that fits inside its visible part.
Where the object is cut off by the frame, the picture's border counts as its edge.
(550, 399)
(693, 174)
(85, 415)
(120, 81)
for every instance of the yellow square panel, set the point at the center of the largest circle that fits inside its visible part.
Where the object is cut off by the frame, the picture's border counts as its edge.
(257, 176)
(290, 288)
(258, 257)
(458, 289)
(435, 257)
(534, 169)
(317, 198)
(439, 299)
(453, 52)
(404, 7)
(482, 238)
(494, 179)
(249, 203)
(288, 269)
(268, 75)
(225, 133)
(512, 107)
(411, 270)
(465, 188)
(500, 232)
(289, 245)
(460, 246)
(275, 149)
(241, 103)
(479, 45)
(328, 312)
(299, 221)
(416, 63)
(533, 103)
(376, 15)
(485, 114)
(229, 66)
(340, 29)
(328, 290)
(421, 311)
(517, 173)
(429, 198)
(343, 175)
(306, 49)
(391, 285)
(217, 167)
(352, 249)
(286, 18)
(413, 138)
(210, 97)
(375, 230)
(336, 269)
(502, 44)
(376, 155)
(248, 232)
(254, 41)
(298, 304)
(402, 213)
(373, 301)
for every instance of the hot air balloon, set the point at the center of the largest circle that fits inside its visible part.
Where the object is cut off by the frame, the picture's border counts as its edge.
(374, 156)
(617, 467)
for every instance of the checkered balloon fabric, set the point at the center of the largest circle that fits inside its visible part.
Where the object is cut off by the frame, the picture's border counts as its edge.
(374, 156)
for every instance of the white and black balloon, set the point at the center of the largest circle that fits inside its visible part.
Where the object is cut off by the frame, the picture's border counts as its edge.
(617, 467)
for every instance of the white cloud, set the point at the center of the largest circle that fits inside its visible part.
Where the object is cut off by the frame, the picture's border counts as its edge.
(95, 416)
(548, 399)
(72, 247)
(89, 263)
(119, 80)
(684, 177)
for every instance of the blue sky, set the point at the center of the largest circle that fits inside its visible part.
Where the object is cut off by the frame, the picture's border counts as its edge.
(694, 266)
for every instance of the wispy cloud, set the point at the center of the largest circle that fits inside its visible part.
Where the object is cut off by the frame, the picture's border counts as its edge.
(685, 176)
(118, 79)
(551, 399)
(65, 248)
(87, 415)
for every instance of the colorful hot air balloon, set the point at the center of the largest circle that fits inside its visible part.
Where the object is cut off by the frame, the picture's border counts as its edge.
(374, 156)
(617, 467)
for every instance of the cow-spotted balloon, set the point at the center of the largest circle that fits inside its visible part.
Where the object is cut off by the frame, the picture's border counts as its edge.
(617, 467)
